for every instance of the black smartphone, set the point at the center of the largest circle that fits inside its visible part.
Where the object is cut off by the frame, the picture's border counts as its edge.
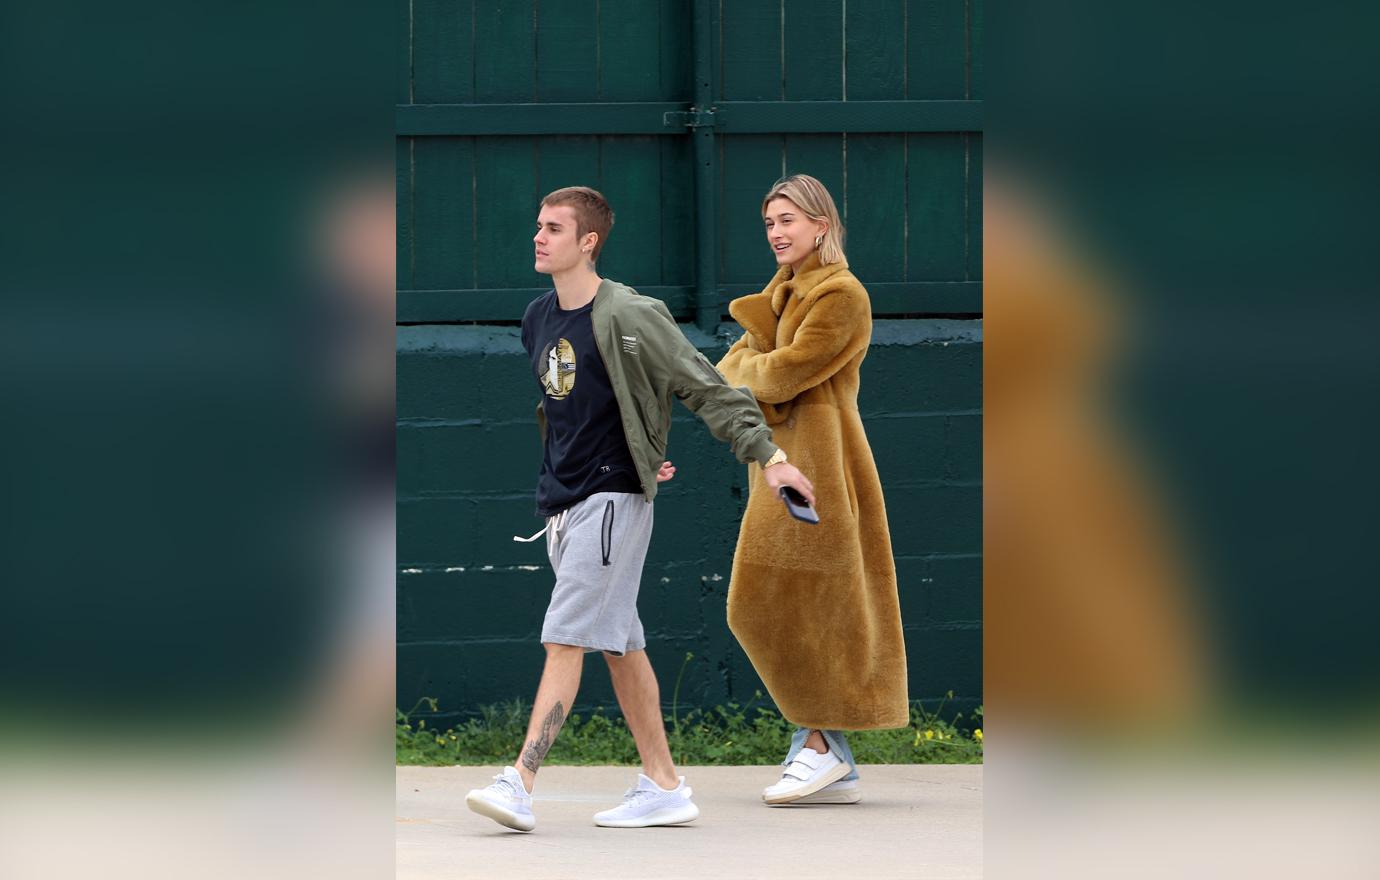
(798, 506)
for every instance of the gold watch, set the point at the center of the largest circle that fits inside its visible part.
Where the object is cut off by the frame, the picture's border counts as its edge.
(778, 457)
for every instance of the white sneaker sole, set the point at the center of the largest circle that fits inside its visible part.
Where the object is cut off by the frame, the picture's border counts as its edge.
(827, 778)
(502, 815)
(847, 796)
(664, 816)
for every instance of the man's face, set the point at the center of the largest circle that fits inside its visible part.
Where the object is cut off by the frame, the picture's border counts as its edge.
(557, 245)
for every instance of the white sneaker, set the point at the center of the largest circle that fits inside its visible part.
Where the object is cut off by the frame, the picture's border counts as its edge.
(506, 801)
(841, 792)
(648, 804)
(807, 774)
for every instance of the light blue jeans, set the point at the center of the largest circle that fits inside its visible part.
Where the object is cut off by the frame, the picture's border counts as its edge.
(838, 744)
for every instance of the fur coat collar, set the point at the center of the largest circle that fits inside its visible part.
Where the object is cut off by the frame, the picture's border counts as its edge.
(760, 313)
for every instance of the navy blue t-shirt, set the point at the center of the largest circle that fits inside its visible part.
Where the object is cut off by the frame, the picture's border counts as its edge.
(586, 451)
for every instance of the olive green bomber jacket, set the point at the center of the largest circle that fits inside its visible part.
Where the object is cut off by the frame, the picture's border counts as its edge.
(650, 362)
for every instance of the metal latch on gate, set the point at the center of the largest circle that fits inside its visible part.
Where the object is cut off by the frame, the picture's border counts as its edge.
(693, 118)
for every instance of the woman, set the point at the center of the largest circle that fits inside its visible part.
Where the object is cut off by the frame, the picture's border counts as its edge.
(815, 606)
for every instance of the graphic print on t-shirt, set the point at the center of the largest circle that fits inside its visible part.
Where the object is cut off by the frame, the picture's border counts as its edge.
(559, 377)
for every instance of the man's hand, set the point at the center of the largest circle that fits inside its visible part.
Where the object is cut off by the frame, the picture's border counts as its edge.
(787, 474)
(667, 471)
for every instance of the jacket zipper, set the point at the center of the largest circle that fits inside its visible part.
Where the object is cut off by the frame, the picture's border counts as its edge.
(623, 415)
(607, 534)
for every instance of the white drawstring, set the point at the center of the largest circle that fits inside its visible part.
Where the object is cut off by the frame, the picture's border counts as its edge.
(554, 523)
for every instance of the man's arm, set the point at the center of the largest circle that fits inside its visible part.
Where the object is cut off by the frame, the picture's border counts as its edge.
(731, 414)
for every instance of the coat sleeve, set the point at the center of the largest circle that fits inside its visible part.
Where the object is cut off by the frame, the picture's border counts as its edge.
(775, 414)
(733, 349)
(731, 414)
(837, 327)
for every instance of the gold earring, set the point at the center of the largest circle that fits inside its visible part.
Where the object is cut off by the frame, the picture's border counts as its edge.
(818, 239)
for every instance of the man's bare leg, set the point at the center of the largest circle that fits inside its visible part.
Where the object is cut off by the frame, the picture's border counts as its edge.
(640, 698)
(560, 681)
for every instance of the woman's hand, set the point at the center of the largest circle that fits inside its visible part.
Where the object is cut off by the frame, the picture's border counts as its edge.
(787, 474)
(666, 472)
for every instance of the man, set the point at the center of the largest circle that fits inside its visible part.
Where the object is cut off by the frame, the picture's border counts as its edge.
(608, 362)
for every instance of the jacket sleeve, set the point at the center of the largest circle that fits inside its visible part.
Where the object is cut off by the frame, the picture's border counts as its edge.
(837, 327)
(731, 414)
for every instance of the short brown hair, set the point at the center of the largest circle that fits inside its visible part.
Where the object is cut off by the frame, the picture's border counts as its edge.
(592, 212)
(810, 196)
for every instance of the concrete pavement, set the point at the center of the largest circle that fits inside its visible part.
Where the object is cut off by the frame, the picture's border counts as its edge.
(914, 820)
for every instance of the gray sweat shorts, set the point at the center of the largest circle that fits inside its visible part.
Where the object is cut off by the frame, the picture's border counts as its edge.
(597, 548)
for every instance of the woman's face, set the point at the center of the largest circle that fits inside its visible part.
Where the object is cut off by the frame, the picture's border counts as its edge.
(790, 232)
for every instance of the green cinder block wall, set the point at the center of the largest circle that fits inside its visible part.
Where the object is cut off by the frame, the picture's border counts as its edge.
(471, 600)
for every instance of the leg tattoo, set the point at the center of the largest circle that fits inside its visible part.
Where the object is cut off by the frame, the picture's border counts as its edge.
(535, 751)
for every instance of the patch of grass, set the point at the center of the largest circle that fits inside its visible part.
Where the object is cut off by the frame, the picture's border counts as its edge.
(731, 734)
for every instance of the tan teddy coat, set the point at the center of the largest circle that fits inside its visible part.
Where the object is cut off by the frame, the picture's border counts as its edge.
(815, 606)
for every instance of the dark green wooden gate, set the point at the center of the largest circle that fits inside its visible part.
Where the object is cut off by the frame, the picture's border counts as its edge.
(683, 114)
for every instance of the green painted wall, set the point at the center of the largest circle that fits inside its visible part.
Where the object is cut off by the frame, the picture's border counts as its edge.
(470, 600)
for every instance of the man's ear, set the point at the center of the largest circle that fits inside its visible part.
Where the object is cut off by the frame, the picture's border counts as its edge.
(591, 239)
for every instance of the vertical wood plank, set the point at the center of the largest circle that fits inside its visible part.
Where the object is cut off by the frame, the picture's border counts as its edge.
(876, 206)
(676, 50)
(631, 180)
(751, 50)
(937, 193)
(974, 233)
(974, 90)
(874, 46)
(565, 160)
(505, 182)
(814, 50)
(504, 52)
(403, 42)
(444, 232)
(820, 156)
(403, 227)
(567, 59)
(443, 42)
(677, 233)
(936, 55)
(751, 163)
(629, 50)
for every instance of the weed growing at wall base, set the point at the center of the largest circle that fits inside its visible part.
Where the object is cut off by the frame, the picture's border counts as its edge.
(731, 734)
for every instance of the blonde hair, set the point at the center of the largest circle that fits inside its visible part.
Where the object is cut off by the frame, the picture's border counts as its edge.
(810, 196)
(592, 213)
